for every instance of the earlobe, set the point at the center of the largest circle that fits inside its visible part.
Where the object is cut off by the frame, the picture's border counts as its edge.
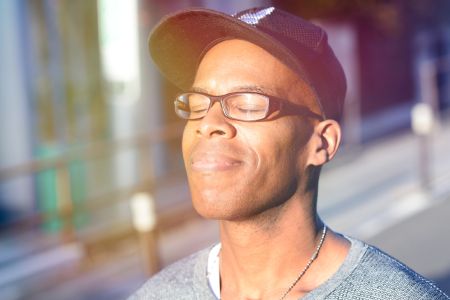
(325, 142)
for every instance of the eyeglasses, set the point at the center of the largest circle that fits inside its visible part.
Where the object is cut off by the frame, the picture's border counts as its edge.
(242, 106)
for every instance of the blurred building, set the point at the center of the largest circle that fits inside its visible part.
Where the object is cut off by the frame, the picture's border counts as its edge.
(392, 41)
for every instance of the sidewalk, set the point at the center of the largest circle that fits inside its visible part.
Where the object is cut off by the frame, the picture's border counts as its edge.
(422, 243)
(379, 185)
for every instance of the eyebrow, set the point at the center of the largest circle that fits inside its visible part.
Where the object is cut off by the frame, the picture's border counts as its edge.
(242, 88)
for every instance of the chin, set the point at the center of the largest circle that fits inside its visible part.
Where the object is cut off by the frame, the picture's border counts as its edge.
(227, 207)
(210, 205)
(218, 205)
(237, 201)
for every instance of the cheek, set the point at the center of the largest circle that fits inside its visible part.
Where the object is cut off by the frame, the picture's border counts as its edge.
(274, 145)
(187, 141)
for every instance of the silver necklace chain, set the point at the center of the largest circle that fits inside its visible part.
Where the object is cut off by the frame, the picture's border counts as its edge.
(313, 258)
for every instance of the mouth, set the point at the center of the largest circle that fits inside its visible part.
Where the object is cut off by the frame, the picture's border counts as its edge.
(214, 163)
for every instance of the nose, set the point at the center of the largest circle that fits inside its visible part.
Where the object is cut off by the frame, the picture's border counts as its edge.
(215, 123)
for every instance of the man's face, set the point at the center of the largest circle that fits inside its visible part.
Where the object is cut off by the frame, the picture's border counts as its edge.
(239, 169)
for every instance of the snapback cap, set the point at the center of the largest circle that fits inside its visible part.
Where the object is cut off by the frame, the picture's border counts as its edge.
(180, 40)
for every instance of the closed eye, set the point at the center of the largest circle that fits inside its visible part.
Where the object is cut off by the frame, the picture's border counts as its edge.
(250, 108)
(198, 109)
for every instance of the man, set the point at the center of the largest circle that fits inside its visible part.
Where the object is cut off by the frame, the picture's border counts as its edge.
(263, 97)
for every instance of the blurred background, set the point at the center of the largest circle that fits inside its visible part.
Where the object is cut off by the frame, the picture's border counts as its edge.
(93, 195)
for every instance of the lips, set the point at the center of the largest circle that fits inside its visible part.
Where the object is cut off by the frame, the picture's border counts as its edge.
(214, 162)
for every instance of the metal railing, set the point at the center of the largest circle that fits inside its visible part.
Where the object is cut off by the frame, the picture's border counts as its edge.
(167, 217)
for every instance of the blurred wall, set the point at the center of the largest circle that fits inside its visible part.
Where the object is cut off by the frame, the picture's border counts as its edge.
(16, 135)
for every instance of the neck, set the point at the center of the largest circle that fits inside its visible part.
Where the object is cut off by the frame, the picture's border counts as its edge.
(262, 256)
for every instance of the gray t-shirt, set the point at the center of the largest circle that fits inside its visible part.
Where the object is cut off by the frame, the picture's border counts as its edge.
(366, 273)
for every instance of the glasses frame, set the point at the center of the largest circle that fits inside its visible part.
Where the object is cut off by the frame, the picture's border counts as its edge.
(275, 104)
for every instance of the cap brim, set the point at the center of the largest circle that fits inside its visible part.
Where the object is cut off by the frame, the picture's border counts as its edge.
(178, 43)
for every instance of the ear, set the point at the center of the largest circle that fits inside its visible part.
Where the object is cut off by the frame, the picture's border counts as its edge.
(324, 142)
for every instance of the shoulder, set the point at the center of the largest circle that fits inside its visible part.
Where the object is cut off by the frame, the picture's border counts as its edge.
(179, 280)
(380, 275)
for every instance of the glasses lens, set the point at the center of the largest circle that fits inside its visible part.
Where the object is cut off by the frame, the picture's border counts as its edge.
(191, 106)
(247, 106)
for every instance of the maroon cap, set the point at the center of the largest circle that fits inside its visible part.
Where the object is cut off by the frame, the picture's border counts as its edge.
(178, 43)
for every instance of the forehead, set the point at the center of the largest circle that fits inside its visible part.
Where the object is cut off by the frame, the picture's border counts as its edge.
(232, 65)
(237, 62)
